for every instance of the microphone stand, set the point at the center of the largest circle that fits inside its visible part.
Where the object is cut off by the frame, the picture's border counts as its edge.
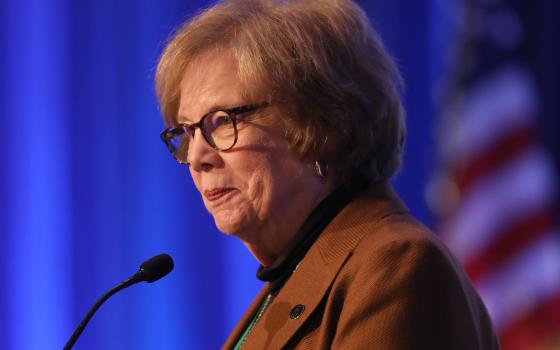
(124, 284)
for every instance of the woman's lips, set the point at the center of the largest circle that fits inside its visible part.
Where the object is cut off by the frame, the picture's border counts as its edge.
(216, 193)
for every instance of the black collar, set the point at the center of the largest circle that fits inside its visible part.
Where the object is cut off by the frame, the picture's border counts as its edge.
(284, 265)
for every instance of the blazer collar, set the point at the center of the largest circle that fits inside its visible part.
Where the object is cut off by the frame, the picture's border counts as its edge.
(312, 278)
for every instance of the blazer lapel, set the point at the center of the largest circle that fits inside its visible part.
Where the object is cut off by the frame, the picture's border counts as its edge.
(245, 319)
(316, 272)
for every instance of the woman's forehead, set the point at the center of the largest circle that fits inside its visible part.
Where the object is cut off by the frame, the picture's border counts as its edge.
(209, 82)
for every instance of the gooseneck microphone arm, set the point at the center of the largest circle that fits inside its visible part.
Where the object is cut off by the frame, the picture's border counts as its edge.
(94, 308)
(150, 271)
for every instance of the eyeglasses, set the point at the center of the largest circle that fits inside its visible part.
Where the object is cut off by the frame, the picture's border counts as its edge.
(219, 129)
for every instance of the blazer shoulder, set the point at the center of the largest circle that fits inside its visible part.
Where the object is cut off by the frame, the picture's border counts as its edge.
(400, 230)
(405, 276)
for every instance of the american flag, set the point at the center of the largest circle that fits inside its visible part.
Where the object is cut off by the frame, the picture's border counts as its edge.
(495, 189)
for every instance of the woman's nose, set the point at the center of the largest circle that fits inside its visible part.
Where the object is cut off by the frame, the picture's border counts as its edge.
(201, 156)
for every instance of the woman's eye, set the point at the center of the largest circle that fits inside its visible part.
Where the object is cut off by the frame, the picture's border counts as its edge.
(222, 120)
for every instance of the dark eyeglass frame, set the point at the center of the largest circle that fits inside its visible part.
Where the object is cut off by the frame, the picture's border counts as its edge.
(184, 128)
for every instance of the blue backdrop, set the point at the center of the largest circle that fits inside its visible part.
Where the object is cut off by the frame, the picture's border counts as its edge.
(87, 190)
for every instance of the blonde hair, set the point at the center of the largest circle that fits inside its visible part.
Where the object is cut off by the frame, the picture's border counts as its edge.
(319, 61)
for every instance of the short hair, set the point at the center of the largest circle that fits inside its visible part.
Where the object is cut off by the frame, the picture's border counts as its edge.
(320, 62)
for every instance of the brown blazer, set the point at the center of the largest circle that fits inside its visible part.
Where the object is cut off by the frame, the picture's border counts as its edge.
(374, 279)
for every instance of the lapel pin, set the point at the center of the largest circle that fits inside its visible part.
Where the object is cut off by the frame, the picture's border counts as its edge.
(297, 311)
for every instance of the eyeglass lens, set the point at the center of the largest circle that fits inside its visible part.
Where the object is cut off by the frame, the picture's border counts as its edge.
(217, 128)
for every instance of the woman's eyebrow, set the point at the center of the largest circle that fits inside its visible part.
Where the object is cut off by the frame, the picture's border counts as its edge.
(183, 119)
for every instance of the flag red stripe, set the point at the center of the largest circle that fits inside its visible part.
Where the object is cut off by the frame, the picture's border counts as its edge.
(494, 156)
(541, 322)
(519, 235)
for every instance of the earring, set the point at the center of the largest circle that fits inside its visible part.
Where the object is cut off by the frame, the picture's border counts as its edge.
(321, 170)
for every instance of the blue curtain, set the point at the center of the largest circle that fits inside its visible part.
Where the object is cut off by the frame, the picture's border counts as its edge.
(88, 192)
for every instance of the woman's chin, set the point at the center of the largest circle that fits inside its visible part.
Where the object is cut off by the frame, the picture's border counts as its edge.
(227, 222)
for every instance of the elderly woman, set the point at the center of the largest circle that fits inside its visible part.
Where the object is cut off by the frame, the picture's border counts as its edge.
(288, 116)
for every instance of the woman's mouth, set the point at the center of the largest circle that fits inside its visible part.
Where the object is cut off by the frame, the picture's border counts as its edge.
(216, 193)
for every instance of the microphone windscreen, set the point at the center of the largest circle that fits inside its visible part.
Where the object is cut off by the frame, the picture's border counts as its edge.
(156, 267)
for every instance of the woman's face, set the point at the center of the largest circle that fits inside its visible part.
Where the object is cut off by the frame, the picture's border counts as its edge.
(259, 190)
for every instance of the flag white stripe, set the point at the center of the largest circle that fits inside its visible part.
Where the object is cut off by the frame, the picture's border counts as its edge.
(514, 191)
(529, 279)
(501, 103)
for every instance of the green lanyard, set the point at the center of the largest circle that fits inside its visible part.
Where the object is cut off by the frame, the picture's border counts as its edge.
(252, 324)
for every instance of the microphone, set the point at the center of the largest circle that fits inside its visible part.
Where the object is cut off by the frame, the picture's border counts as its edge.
(150, 271)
